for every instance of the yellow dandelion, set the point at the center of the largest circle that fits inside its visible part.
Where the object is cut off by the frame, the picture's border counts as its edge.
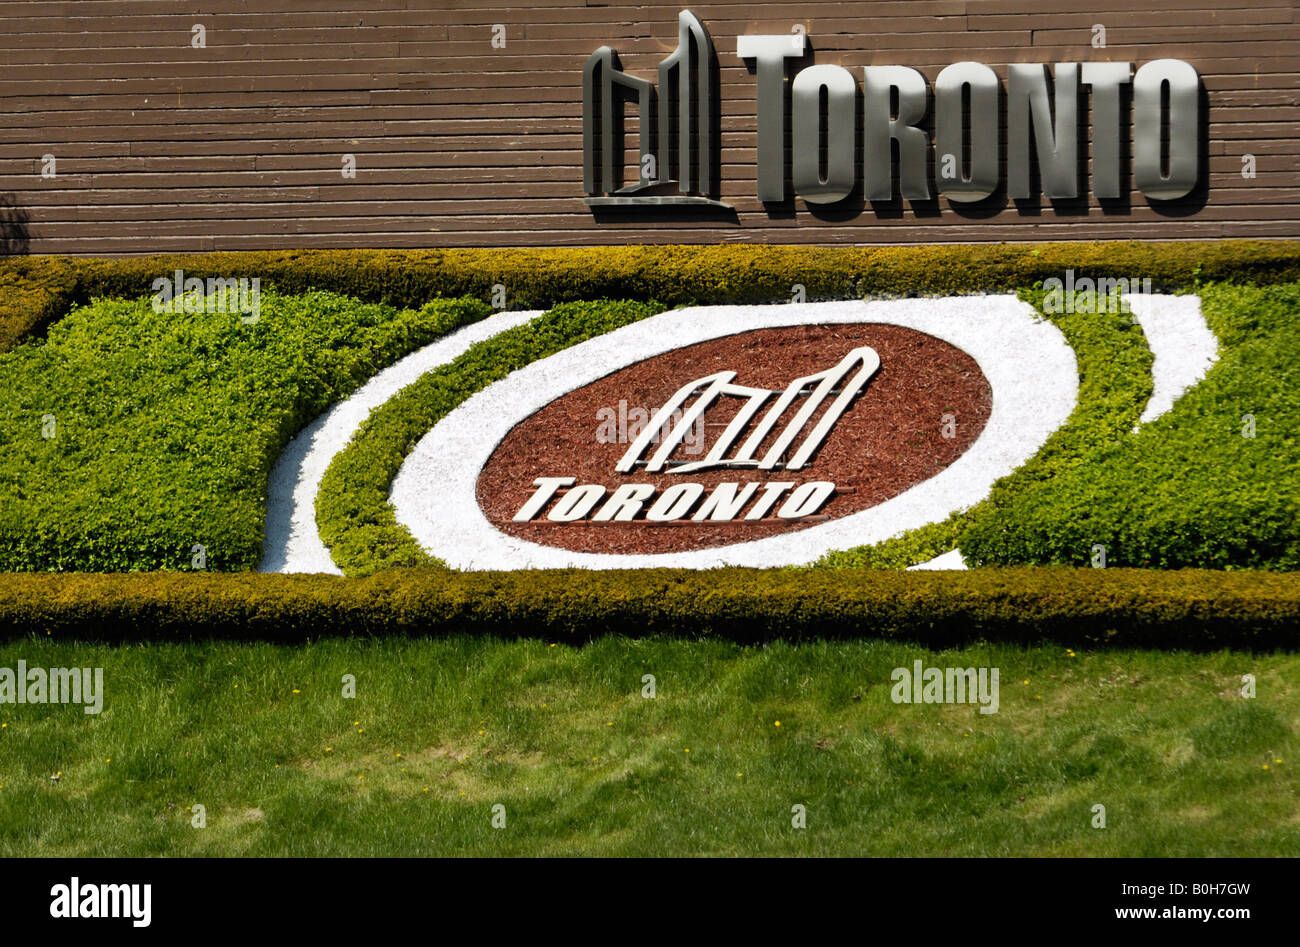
(236, 685)
(426, 788)
(329, 749)
(1277, 761)
(777, 723)
(480, 733)
(688, 749)
(1266, 766)
(296, 691)
(109, 760)
(361, 730)
(1038, 697)
(552, 644)
(609, 723)
(356, 723)
(740, 774)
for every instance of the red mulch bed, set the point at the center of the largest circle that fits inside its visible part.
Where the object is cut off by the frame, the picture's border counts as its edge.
(887, 441)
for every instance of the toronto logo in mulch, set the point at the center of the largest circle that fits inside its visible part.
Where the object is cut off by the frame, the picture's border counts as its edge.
(736, 438)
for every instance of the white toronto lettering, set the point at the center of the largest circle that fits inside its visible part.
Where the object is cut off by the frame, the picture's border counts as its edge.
(546, 487)
(723, 504)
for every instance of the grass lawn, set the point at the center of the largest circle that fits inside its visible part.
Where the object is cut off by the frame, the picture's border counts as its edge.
(440, 731)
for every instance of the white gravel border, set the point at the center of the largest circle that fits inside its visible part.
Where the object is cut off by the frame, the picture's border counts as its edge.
(949, 561)
(1182, 343)
(292, 542)
(1030, 366)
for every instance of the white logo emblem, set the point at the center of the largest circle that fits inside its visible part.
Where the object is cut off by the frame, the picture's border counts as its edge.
(815, 389)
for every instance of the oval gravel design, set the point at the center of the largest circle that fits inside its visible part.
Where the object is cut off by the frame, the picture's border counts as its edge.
(1029, 365)
(890, 438)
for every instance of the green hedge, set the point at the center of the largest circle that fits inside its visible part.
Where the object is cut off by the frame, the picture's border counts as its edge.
(1186, 491)
(1182, 492)
(34, 292)
(1189, 489)
(1097, 607)
(31, 288)
(355, 519)
(130, 436)
(1114, 385)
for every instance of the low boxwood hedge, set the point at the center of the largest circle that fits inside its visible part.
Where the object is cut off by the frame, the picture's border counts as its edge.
(36, 289)
(34, 292)
(1079, 607)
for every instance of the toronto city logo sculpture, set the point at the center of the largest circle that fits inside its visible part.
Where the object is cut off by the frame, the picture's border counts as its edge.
(687, 79)
(959, 148)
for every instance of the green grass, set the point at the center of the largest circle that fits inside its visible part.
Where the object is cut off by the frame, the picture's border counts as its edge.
(583, 764)
(129, 436)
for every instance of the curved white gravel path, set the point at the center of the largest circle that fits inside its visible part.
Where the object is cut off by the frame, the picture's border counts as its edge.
(1183, 349)
(1181, 342)
(1031, 368)
(292, 542)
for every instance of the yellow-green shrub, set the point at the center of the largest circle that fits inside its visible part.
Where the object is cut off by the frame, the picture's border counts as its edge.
(1122, 607)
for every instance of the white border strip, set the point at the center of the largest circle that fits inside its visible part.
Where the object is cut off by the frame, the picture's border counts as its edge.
(1181, 342)
(293, 543)
(1031, 368)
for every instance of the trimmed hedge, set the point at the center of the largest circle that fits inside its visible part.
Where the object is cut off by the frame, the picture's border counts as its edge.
(1189, 489)
(1093, 607)
(356, 521)
(32, 288)
(1114, 385)
(130, 436)
(34, 292)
